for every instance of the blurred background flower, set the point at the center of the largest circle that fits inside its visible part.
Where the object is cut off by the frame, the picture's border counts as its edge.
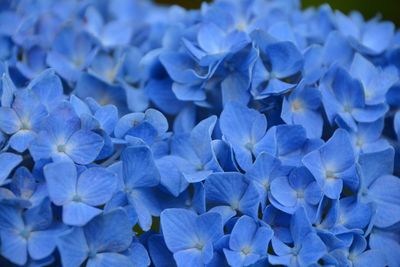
(368, 8)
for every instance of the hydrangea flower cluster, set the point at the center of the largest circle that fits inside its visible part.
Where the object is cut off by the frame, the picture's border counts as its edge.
(245, 133)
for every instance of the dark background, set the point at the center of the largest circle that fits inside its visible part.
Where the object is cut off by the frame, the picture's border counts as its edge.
(389, 9)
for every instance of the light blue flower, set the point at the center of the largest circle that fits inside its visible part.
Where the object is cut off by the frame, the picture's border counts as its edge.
(191, 237)
(332, 172)
(248, 242)
(79, 192)
(102, 242)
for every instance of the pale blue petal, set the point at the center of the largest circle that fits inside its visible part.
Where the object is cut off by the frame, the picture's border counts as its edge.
(84, 146)
(72, 247)
(14, 247)
(21, 140)
(178, 227)
(9, 120)
(78, 213)
(110, 260)
(41, 244)
(62, 187)
(283, 192)
(8, 162)
(385, 192)
(110, 232)
(139, 167)
(189, 258)
(96, 186)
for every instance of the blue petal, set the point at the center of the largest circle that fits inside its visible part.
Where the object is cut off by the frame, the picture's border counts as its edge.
(375, 31)
(72, 247)
(111, 232)
(47, 86)
(225, 188)
(338, 143)
(78, 213)
(21, 140)
(160, 255)
(138, 255)
(284, 58)
(300, 226)
(8, 162)
(108, 259)
(116, 33)
(283, 192)
(209, 227)
(84, 146)
(96, 186)
(42, 243)
(189, 258)
(312, 250)
(146, 205)
(385, 191)
(382, 239)
(242, 233)
(10, 218)
(14, 247)
(139, 167)
(61, 188)
(243, 128)
(178, 227)
(375, 165)
(370, 257)
(9, 120)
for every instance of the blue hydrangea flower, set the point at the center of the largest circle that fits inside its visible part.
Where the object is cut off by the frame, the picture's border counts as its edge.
(102, 242)
(191, 237)
(148, 126)
(275, 140)
(26, 187)
(330, 171)
(344, 218)
(288, 143)
(61, 137)
(138, 174)
(243, 128)
(48, 88)
(28, 234)
(237, 72)
(248, 242)
(345, 106)
(359, 255)
(197, 151)
(302, 107)
(365, 36)
(108, 33)
(190, 78)
(278, 62)
(376, 81)
(368, 137)
(261, 174)
(379, 187)
(89, 86)
(298, 189)
(232, 191)
(214, 44)
(307, 247)
(23, 120)
(79, 192)
(71, 52)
